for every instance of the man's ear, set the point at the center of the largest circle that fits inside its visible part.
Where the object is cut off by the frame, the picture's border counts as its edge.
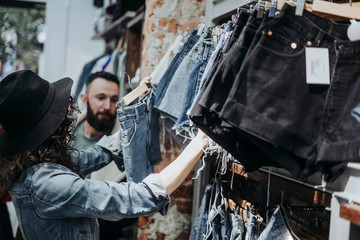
(84, 99)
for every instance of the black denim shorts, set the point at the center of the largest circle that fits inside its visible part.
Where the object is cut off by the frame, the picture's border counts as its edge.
(271, 100)
(223, 78)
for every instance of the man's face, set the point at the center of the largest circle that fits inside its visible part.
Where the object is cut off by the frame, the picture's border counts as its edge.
(102, 96)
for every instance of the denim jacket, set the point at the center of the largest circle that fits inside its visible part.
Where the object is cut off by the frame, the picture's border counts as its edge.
(53, 202)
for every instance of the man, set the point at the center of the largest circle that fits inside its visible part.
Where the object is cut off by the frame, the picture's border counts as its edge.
(100, 98)
(99, 119)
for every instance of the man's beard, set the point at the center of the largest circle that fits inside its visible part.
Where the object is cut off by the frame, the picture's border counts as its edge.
(101, 125)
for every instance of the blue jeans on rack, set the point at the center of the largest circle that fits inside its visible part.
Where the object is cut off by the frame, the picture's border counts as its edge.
(218, 225)
(198, 230)
(176, 61)
(237, 227)
(139, 134)
(173, 98)
(278, 228)
(204, 52)
(251, 226)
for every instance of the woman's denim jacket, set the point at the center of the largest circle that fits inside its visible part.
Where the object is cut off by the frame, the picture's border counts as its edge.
(53, 202)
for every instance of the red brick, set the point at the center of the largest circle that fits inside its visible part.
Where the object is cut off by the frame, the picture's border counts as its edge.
(189, 25)
(160, 236)
(144, 222)
(184, 206)
(170, 25)
(151, 7)
(183, 236)
(182, 191)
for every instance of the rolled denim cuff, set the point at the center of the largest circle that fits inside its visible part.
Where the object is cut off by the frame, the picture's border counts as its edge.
(156, 185)
(112, 144)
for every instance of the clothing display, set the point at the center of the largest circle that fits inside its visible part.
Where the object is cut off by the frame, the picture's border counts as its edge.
(271, 90)
(311, 128)
(215, 220)
(169, 73)
(278, 227)
(243, 101)
(140, 142)
(253, 97)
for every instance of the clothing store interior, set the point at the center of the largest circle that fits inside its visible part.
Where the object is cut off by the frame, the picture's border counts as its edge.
(272, 83)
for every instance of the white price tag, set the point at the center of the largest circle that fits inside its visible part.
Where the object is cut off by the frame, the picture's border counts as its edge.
(317, 66)
(354, 30)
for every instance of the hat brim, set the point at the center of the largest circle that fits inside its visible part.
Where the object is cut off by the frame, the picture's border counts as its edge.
(25, 141)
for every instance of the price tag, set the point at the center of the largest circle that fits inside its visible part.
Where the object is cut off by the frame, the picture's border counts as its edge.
(354, 30)
(317, 66)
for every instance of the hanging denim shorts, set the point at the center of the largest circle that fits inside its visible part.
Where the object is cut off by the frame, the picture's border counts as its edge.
(174, 96)
(139, 134)
(223, 78)
(170, 71)
(204, 52)
(271, 100)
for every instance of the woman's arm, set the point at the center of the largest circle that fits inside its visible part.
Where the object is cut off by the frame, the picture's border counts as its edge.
(174, 174)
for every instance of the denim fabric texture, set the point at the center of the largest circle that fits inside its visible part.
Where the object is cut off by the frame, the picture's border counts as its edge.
(174, 96)
(208, 121)
(218, 224)
(224, 39)
(53, 202)
(252, 226)
(239, 25)
(318, 126)
(223, 79)
(278, 228)
(140, 142)
(237, 227)
(176, 61)
(198, 230)
(204, 52)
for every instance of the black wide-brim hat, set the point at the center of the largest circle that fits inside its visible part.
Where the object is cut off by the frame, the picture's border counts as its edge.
(31, 109)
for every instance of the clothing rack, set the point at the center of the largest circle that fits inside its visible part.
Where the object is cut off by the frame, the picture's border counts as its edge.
(311, 194)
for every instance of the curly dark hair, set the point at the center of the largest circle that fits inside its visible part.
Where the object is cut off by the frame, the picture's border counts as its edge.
(56, 149)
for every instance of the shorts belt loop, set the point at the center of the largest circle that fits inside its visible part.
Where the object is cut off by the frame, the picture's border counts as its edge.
(136, 115)
(206, 46)
(318, 39)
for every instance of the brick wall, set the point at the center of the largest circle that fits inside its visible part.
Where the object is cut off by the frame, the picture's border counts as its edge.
(164, 20)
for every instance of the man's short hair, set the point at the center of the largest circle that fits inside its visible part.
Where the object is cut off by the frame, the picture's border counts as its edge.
(102, 74)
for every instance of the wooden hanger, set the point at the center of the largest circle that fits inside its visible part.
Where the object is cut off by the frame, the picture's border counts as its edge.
(134, 94)
(337, 9)
(120, 44)
(329, 10)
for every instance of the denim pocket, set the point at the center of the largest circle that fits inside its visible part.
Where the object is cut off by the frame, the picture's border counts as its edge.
(282, 40)
(128, 129)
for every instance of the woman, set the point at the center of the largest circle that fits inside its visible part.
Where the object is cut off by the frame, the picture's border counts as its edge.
(43, 174)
